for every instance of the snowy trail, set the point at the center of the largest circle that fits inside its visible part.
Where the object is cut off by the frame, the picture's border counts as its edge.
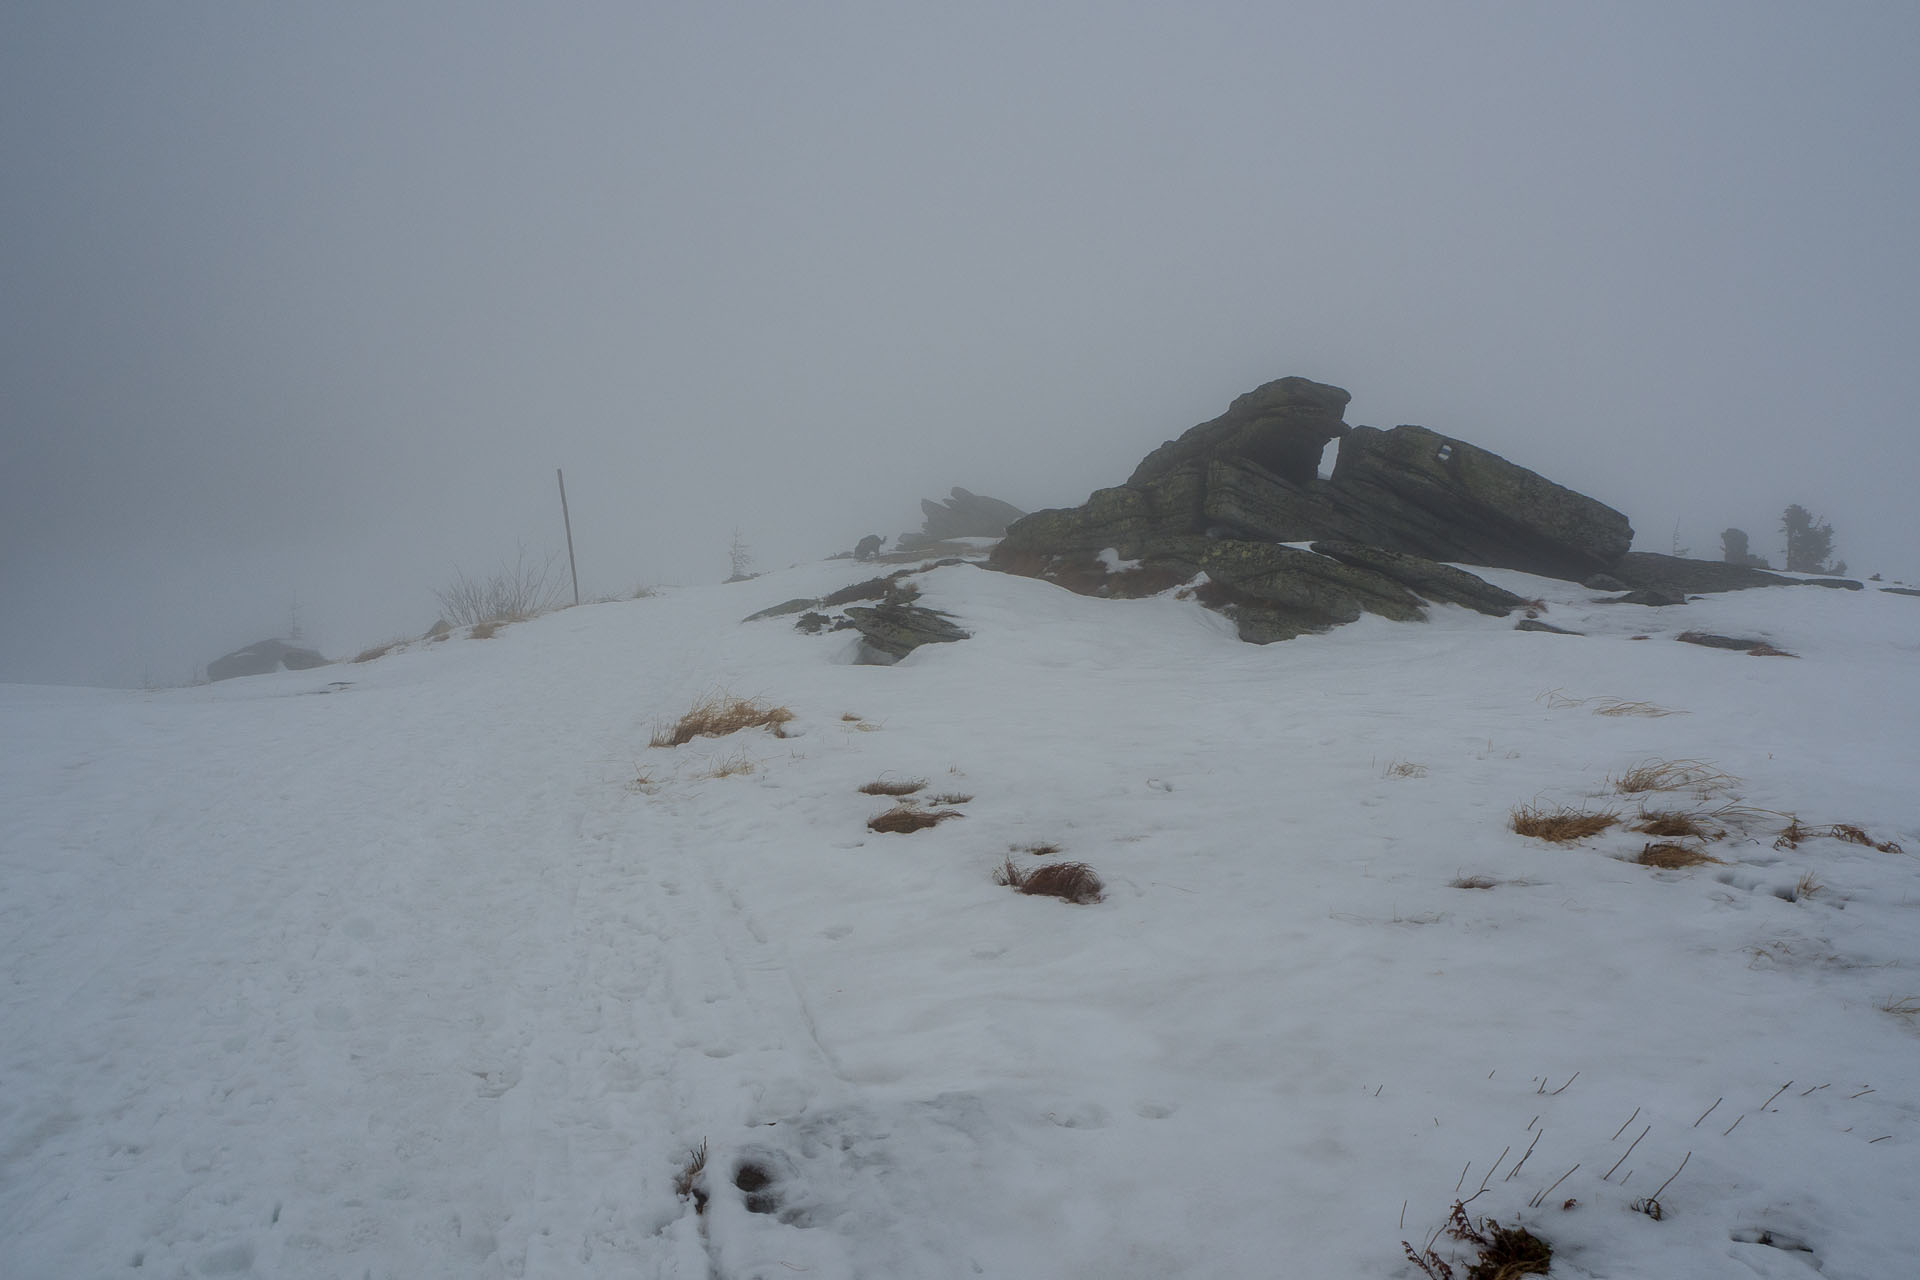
(401, 970)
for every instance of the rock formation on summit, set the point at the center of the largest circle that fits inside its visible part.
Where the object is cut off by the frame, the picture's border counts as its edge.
(1221, 497)
(261, 658)
(964, 515)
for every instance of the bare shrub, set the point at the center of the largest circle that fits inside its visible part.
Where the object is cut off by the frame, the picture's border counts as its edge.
(902, 787)
(524, 591)
(1505, 1253)
(1559, 825)
(903, 818)
(1074, 882)
(1669, 856)
(1905, 1007)
(1671, 775)
(719, 714)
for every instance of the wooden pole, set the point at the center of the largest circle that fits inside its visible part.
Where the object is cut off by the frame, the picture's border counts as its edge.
(568, 521)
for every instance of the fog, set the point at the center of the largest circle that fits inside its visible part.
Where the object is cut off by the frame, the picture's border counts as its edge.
(304, 305)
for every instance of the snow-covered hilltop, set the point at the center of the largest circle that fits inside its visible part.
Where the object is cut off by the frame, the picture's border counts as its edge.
(430, 966)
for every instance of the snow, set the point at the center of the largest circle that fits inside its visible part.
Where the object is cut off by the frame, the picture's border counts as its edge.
(429, 966)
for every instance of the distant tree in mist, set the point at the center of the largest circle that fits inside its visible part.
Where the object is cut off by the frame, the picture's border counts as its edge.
(740, 557)
(1809, 542)
(1733, 549)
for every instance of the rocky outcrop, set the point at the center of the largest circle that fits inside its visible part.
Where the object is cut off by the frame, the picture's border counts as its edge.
(1398, 503)
(963, 515)
(261, 658)
(892, 629)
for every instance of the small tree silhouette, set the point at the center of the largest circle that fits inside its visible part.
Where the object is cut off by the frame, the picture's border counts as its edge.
(1809, 541)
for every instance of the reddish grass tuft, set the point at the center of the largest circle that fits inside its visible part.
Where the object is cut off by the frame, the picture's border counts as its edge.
(1069, 881)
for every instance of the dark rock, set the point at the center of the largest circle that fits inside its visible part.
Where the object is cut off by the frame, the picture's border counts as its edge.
(1251, 474)
(1900, 591)
(1646, 596)
(868, 547)
(782, 609)
(1603, 582)
(1275, 593)
(1758, 648)
(889, 631)
(1282, 427)
(1678, 575)
(812, 623)
(1427, 578)
(259, 659)
(1844, 584)
(871, 589)
(1534, 624)
(964, 515)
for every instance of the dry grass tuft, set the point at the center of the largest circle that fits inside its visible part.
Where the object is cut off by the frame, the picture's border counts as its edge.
(1765, 650)
(733, 766)
(686, 1180)
(950, 797)
(1069, 881)
(1620, 707)
(903, 818)
(851, 717)
(1505, 1253)
(1846, 832)
(1806, 887)
(485, 630)
(719, 714)
(1674, 824)
(1907, 1007)
(1671, 775)
(904, 787)
(378, 651)
(1472, 882)
(1559, 825)
(1040, 850)
(1406, 769)
(1668, 856)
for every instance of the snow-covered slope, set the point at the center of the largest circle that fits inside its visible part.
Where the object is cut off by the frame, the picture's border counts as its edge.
(400, 969)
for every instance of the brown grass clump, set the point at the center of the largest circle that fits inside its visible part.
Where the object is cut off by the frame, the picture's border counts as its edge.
(903, 787)
(1559, 825)
(1907, 1007)
(686, 1180)
(1472, 882)
(1668, 856)
(716, 716)
(851, 717)
(732, 766)
(903, 818)
(1406, 769)
(1674, 824)
(485, 630)
(1671, 775)
(1040, 850)
(1765, 650)
(1846, 832)
(378, 651)
(1069, 881)
(1506, 1253)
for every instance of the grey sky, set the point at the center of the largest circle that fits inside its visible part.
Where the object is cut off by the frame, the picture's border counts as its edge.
(308, 302)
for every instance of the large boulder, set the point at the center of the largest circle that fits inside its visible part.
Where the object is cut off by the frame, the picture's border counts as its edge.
(262, 658)
(1398, 504)
(963, 515)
